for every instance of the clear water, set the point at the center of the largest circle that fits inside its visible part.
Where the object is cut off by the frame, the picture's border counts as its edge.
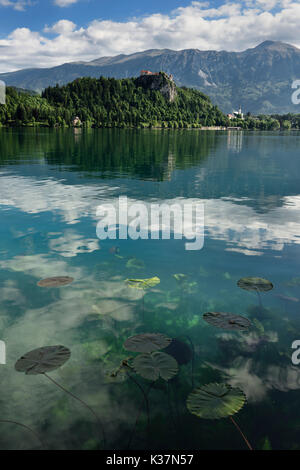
(51, 183)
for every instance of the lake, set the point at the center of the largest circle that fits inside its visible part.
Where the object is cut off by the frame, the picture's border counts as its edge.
(51, 183)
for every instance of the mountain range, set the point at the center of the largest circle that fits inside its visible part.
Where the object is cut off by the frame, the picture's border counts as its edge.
(257, 79)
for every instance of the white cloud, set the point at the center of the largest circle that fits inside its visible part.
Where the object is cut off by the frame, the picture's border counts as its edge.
(64, 3)
(61, 27)
(232, 26)
(239, 225)
(248, 375)
(18, 5)
(71, 244)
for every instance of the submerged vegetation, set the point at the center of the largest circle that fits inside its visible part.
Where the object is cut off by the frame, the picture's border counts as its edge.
(159, 358)
(46, 359)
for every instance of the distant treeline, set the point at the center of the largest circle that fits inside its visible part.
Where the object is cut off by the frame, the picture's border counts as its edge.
(268, 122)
(109, 103)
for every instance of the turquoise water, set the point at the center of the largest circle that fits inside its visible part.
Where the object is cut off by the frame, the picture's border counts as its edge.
(51, 183)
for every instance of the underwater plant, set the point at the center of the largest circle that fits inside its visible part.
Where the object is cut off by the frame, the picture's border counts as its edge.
(188, 287)
(135, 263)
(124, 365)
(215, 401)
(257, 284)
(47, 359)
(227, 321)
(58, 281)
(143, 284)
(259, 326)
(180, 277)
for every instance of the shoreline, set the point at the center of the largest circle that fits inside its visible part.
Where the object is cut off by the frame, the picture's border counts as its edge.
(203, 128)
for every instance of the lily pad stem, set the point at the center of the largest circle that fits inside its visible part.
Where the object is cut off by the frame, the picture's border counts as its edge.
(144, 395)
(143, 308)
(139, 413)
(170, 406)
(82, 402)
(25, 427)
(259, 300)
(241, 433)
(193, 355)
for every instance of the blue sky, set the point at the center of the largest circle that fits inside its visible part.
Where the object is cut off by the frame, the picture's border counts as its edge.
(41, 33)
(82, 12)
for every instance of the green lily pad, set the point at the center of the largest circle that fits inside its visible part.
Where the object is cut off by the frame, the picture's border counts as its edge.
(42, 360)
(58, 281)
(255, 283)
(154, 365)
(147, 342)
(143, 283)
(227, 321)
(215, 400)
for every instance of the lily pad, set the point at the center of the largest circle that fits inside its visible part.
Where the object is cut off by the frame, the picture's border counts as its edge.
(143, 283)
(215, 400)
(154, 365)
(227, 321)
(147, 342)
(42, 360)
(58, 281)
(255, 283)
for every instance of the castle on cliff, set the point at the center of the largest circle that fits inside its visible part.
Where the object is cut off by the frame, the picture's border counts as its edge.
(148, 72)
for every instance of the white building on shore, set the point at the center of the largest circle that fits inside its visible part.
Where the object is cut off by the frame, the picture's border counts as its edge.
(236, 114)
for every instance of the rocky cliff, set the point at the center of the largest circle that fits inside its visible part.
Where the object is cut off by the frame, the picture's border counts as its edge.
(161, 82)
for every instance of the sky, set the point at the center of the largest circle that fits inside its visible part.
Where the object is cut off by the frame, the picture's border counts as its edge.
(46, 33)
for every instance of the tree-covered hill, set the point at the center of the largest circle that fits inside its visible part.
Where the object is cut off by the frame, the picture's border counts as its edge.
(144, 102)
(107, 102)
(25, 108)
